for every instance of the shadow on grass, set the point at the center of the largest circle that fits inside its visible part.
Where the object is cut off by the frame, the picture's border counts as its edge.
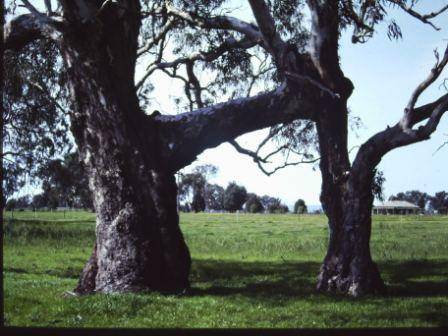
(289, 280)
(419, 278)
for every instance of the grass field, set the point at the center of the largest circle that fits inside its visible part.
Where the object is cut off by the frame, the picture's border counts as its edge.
(247, 271)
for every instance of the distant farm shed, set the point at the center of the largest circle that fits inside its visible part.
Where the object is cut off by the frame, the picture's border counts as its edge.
(396, 208)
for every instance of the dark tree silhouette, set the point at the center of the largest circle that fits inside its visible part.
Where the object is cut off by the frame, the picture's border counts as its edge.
(273, 205)
(234, 197)
(413, 196)
(300, 207)
(65, 183)
(214, 197)
(253, 203)
(439, 202)
(195, 183)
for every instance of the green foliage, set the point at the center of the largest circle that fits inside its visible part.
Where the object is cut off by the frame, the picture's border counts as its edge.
(214, 197)
(65, 183)
(195, 183)
(34, 125)
(253, 204)
(413, 196)
(300, 207)
(234, 197)
(273, 205)
(378, 185)
(198, 203)
(258, 272)
(439, 202)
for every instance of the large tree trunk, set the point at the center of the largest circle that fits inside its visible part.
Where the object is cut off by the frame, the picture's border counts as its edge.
(348, 267)
(347, 201)
(139, 245)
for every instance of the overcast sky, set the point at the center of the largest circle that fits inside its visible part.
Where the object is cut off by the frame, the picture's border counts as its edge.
(384, 73)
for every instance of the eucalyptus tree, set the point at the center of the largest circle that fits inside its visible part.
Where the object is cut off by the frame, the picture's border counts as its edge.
(195, 184)
(132, 156)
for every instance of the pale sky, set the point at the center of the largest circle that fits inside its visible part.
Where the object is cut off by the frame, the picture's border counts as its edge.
(384, 73)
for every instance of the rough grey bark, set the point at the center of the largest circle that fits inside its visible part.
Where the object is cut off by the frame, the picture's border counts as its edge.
(139, 245)
(347, 201)
(348, 266)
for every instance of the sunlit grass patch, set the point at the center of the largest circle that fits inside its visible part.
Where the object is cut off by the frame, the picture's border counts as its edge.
(247, 271)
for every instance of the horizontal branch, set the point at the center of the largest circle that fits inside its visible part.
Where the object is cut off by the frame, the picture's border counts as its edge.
(188, 134)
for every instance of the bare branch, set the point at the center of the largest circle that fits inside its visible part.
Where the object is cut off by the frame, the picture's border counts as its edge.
(422, 17)
(219, 22)
(248, 152)
(31, 8)
(402, 133)
(196, 86)
(434, 74)
(48, 7)
(259, 160)
(440, 147)
(209, 56)
(154, 41)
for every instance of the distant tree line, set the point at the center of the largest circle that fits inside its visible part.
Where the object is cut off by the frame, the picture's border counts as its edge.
(438, 202)
(64, 184)
(197, 194)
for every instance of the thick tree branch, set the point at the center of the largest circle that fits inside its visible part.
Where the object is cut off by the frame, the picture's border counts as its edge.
(266, 25)
(188, 134)
(324, 45)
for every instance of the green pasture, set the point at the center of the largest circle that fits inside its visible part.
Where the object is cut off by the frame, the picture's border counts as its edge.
(248, 271)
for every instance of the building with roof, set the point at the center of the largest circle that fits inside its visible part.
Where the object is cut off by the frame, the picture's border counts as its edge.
(396, 208)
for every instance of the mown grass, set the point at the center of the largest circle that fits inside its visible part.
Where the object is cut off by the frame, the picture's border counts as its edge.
(247, 271)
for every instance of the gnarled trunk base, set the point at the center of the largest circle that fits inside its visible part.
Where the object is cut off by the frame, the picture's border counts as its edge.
(348, 267)
(357, 277)
(139, 247)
